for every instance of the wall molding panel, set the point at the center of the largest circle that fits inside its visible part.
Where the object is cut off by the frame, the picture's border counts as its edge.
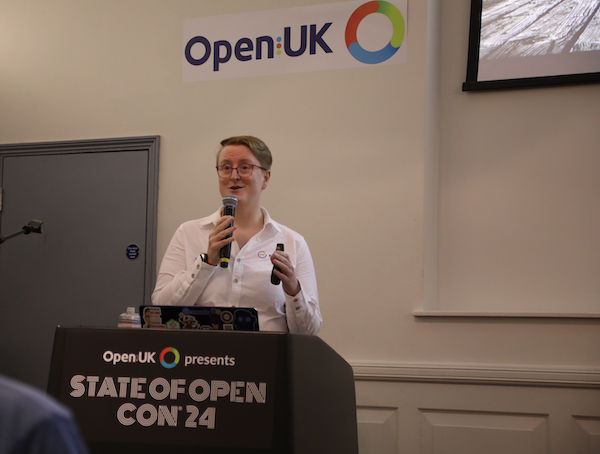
(467, 409)
(586, 435)
(377, 429)
(447, 432)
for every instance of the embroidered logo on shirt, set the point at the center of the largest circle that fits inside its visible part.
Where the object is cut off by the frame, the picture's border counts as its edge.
(262, 254)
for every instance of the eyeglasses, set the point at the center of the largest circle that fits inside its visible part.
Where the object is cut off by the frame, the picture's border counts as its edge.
(244, 170)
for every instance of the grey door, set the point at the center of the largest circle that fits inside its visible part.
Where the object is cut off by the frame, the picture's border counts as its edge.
(95, 256)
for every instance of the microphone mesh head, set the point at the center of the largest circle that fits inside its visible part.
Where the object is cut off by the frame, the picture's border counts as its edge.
(230, 201)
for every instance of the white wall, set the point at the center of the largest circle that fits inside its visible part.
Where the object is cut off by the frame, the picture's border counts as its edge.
(519, 183)
(519, 192)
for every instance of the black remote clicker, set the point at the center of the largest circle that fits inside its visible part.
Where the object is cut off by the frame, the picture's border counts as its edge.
(274, 279)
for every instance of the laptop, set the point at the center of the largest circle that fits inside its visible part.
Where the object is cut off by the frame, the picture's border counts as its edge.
(199, 317)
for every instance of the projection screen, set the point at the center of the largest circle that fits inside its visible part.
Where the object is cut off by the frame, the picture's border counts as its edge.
(521, 43)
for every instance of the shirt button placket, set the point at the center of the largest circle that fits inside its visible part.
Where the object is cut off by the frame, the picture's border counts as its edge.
(236, 281)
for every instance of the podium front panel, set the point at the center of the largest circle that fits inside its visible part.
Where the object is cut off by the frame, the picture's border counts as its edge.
(143, 387)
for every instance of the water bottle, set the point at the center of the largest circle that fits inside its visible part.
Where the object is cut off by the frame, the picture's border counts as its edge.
(129, 319)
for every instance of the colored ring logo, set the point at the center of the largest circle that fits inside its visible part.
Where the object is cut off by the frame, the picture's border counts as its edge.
(393, 14)
(162, 358)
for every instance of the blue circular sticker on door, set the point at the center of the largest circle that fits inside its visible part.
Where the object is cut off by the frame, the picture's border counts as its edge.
(133, 251)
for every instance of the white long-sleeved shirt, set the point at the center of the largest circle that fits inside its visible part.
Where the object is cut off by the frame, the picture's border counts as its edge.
(184, 280)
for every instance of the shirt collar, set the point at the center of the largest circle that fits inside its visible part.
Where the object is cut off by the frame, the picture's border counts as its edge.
(269, 223)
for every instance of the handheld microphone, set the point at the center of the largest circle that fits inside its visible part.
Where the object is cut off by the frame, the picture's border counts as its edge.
(229, 204)
(274, 279)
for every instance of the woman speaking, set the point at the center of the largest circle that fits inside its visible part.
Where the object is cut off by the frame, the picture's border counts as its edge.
(190, 273)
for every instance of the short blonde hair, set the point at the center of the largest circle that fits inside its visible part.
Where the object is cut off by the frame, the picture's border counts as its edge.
(258, 148)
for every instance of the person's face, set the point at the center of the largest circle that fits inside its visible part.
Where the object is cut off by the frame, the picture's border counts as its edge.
(246, 189)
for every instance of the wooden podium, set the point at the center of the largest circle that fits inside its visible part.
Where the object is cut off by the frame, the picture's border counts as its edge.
(182, 391)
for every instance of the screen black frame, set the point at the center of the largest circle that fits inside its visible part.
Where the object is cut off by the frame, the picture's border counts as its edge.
(472, 84)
